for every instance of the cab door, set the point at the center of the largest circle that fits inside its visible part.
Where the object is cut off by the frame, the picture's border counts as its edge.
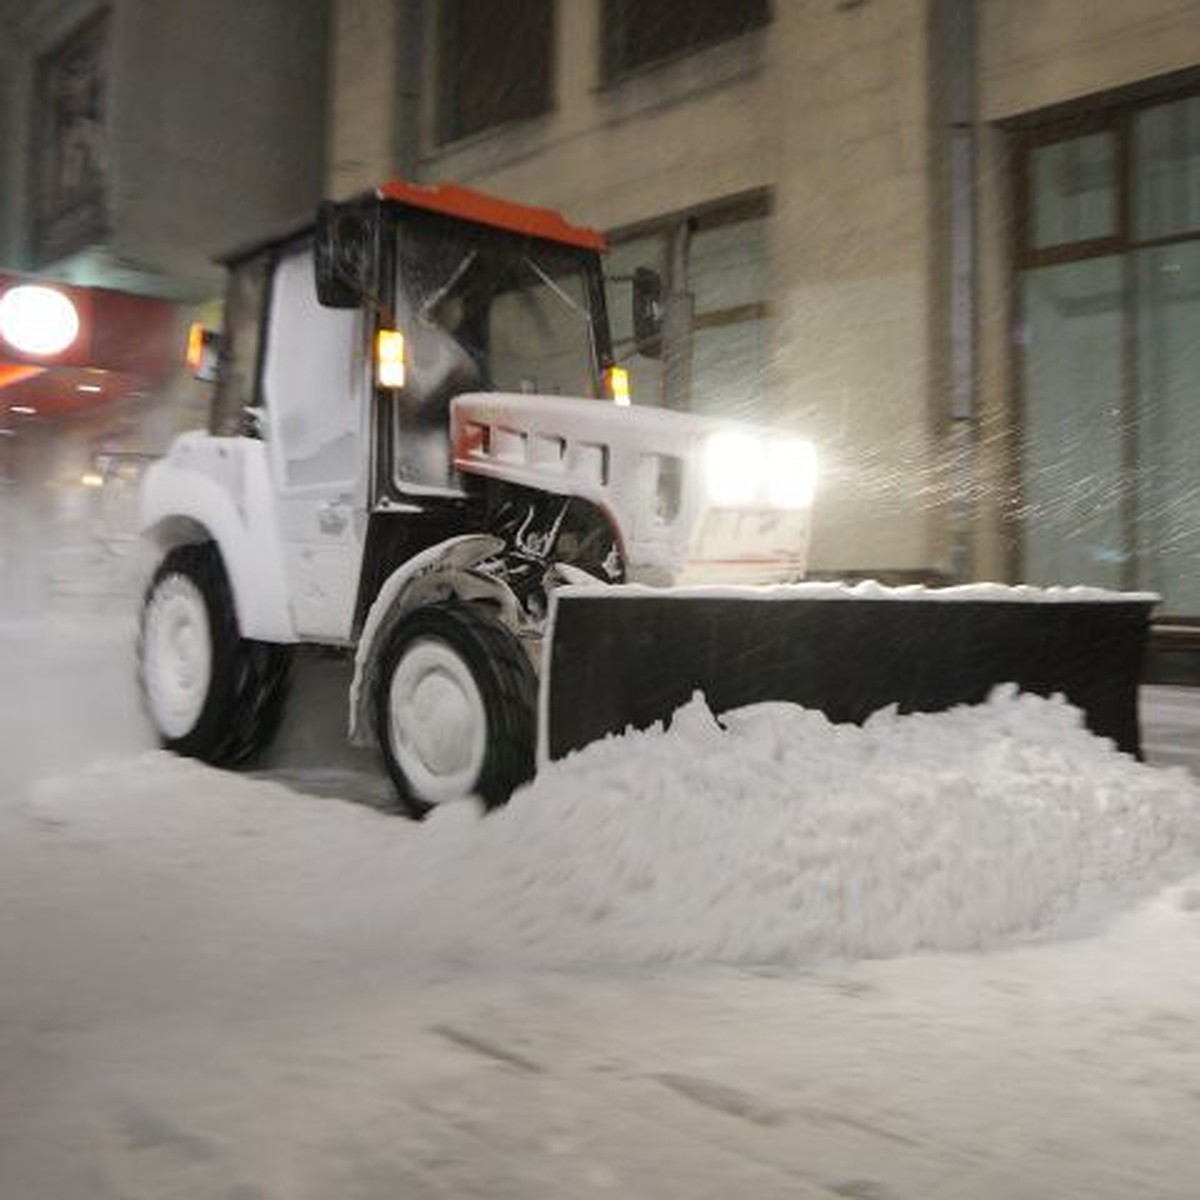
(315, 387)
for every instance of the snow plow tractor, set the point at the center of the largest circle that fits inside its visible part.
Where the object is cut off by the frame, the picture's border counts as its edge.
(419, 432)
(422, 450)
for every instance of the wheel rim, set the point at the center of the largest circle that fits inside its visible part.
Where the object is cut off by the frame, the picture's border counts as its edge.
(437, 722)
(176, 655)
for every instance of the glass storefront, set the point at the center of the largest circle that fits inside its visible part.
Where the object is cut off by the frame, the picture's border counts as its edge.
(1109, 289)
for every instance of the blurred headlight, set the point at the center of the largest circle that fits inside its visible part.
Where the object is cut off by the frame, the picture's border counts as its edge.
(742, 470)
(734, 466)
(791, 473)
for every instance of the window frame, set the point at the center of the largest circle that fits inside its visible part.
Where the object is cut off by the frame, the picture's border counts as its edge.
(756, 205)
(1117, 119)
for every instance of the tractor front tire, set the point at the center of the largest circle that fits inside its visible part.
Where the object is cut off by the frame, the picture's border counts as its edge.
(210, 693)
(455, 708)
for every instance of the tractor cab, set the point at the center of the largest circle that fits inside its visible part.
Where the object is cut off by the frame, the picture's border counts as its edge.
(345, 344)
(406, 298)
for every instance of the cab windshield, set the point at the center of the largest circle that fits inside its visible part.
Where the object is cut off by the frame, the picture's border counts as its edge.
(486, 310)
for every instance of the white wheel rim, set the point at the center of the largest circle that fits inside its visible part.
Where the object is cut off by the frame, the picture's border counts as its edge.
(176, 655)
(437, 721)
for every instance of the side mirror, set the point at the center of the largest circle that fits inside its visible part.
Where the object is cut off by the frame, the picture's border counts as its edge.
(647, 312)
(341, 252)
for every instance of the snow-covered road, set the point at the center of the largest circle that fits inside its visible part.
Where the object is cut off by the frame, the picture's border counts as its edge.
(238, 987)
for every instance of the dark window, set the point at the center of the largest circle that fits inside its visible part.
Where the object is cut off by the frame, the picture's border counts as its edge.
(640, 32)
(495, 63)
(237, 380)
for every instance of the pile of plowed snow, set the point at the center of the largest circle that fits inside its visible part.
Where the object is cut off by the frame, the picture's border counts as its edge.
(773, 835)
(768, 837)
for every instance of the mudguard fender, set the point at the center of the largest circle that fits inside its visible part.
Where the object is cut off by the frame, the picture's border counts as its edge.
(438, 573)
(219, 489)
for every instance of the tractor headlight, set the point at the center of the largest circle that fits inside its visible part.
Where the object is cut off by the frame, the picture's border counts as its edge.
(734, 464)
(742, 470)
(791, 472)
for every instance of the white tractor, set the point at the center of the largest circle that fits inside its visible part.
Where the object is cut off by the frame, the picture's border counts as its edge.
(419, 432)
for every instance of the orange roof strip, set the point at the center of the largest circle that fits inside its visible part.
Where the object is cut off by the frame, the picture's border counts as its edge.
(457, 201)
(11, 373)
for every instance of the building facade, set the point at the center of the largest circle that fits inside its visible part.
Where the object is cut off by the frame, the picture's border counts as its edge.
(955, 241)
(138, 140)
(141, 139)
(951, 240)
(1089, 120)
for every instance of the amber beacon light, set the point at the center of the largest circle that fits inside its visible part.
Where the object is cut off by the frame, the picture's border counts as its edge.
(616, 385)
(389, 358)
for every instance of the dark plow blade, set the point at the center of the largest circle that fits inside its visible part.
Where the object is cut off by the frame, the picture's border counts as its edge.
(629, 659)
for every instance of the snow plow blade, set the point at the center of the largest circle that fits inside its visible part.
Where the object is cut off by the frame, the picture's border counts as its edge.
(630, 656)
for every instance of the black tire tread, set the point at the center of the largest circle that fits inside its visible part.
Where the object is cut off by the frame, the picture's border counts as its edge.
(249, 678)
(505, 677)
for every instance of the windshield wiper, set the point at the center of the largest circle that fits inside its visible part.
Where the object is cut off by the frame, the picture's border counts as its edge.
(433, 301)
(563, 296)
(584, 314)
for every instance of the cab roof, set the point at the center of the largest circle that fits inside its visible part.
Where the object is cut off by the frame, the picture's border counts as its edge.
(454, 200)
(451, 200)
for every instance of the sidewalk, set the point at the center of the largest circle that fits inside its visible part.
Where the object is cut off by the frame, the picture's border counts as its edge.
(1171, 727)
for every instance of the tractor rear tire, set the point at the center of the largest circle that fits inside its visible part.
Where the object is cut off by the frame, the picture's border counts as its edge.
(455, 708)
(210, 693)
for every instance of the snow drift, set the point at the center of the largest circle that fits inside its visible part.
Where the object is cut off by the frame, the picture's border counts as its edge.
(769, 837)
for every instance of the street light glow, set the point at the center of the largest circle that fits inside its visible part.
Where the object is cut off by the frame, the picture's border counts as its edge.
(38, 320)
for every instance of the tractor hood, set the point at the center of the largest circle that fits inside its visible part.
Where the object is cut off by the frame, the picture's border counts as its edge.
(694, 499)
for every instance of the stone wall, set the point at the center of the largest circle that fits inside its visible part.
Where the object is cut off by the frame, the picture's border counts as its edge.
(214, 112)
(827, 110)
(854, 260)
(1037, 53)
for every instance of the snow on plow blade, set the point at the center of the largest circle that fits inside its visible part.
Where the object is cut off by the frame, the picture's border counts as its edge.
(629, 656)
